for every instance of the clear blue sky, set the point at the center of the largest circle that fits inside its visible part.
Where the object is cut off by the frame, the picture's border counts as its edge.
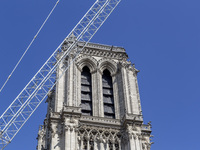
(162, 38)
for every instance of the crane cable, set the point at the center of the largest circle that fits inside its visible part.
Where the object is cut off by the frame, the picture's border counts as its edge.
(29, 46)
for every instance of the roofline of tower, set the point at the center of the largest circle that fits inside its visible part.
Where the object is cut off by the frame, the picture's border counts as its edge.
(103, 47)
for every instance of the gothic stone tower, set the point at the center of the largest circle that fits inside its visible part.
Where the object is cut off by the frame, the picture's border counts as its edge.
(96, 104)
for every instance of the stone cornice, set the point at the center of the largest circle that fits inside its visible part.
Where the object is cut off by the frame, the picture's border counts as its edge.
(105, 53)
(102, 47)
(100, 50)
(134, 117)
(90, 120)
(54, 116)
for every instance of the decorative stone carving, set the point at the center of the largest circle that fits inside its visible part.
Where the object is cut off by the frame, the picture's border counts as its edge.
(101, 135)
(135, 136)
(88, 61)
(143, 146)
(60, 128)
(108, 54)
(68, 126)
(105, 63)
(52, 129)
(41, 132)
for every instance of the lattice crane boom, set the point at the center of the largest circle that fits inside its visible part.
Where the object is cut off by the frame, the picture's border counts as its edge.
(19, 111)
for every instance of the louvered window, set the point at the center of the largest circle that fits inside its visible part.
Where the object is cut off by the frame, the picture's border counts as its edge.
(86, 92)
(109, 110)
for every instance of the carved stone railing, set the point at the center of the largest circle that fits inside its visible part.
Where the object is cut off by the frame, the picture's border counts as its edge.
(100, 120)
(146, 127)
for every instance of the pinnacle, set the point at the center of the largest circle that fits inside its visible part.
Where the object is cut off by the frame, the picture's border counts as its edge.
(72, 37)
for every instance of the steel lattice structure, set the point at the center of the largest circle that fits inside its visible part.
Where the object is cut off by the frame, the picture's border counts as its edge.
(24, 105)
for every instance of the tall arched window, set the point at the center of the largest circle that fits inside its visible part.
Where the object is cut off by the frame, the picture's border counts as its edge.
(86, 92)
(108, 100)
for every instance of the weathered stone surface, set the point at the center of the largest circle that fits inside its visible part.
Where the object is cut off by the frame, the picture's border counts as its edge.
(66, 128)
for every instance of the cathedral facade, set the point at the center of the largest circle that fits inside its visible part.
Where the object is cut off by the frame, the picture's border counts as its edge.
(95, 104)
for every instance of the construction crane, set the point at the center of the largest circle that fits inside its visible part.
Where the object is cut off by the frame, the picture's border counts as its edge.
(28, 100)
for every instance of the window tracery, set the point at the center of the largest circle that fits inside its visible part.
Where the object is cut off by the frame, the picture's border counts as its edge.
(92, 137)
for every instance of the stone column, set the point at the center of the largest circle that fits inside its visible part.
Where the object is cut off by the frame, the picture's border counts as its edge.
(88, 142)
(100, 94)
(101, 141)
(131, 138)
(55, 142)
(75, 86)
(137, 142)
(78, 88)
(102, 146)
(132, 142)
(113, 143)
(95, 144)
(67, 138)
(76, 138)
(140, 141)
(60, 89)
(107, 145)
(133, 95)
(70, 82)
(116, 98)
(94, 94)
(81, 144)
(138, 96)
(73, 138)
(125, 89)
(120, 146)
(113, 146)
(71, 123)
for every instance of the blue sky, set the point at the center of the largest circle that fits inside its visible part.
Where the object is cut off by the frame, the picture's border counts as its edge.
(162, 38)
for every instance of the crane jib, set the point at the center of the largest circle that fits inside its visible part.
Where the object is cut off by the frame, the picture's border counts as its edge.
(24, 105)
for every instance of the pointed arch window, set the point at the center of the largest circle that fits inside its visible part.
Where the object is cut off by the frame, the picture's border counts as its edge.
(108, 99)
(86, 92)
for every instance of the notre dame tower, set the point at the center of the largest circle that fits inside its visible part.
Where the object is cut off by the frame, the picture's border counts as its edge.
(96, 104)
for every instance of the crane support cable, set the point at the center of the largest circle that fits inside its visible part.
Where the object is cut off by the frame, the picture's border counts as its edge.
(25, 104)
(29, 46)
